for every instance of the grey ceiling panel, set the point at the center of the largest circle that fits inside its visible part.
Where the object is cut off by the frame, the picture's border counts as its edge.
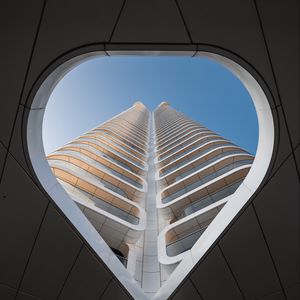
(16, 145)
(214, 279)
(150, 22)
(2, 156)
(232, 25)
(54, 253)
(247, 255)
(18, 26)
(293, 292)
(276, 296)
(277, 207)
(22, 208)
(282, 147)
(186, 291)
(7, 293)
(24, 296)
(280, 21)
(69, 24)
(114, 291)
(87, 280)
(297, 155)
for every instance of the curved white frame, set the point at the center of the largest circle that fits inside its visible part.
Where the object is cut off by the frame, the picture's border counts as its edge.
(230, 210)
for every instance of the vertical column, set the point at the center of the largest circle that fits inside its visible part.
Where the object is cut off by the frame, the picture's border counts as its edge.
(151, 268)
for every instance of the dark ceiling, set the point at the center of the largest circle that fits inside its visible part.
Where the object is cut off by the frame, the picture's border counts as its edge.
(42, 256)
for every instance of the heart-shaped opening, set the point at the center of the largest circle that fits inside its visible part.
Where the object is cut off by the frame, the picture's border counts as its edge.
(151, 190)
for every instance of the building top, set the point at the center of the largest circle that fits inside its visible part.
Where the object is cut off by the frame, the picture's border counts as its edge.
(164, 103)
(140, 104)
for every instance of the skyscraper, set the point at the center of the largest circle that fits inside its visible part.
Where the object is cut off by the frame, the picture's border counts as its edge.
(150, 183)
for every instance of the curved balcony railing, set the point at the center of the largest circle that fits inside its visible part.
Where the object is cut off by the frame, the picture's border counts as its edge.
(194, 156)
(94, 163)
(177, 140)
(169, 133)
(190, 148)
(124, 131)
(205, 179)
(160, 137)
(94, 150)
(118, 162)
(170, 125)
(111, 149)
(180, 131)
(116, 211)
(129, 130)
(209, 161)
(135, 127)
(128, 152)
(184, 143)
(78, 172)
(185, 243)
(100, 203)
(162, 130)
(209, 199)
(121, 138)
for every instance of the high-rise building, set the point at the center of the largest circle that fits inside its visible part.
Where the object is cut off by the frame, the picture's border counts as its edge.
(150, 183)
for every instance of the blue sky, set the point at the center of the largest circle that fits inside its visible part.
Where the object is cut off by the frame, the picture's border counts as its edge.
(100, 88)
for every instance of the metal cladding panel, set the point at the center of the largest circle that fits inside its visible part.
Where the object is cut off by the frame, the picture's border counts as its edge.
(187, 291)
(214, 279)
(277, 207)
(87, 280)
(21, 214)
(293, 292)
(24, 296)
(7, 293)
(297, 155)
(114, 291)
(232, 25)
(16, 147)
(282, 147)
(156, 21)
(18, 28)
(247, 255)
(52, 257)
(281, 30)
(3, 153)
(69, 25)
(276, 296)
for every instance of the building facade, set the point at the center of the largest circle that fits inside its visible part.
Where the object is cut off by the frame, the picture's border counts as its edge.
(150, 184)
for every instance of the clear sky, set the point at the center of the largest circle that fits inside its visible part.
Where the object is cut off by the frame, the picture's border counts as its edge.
(100, 88)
